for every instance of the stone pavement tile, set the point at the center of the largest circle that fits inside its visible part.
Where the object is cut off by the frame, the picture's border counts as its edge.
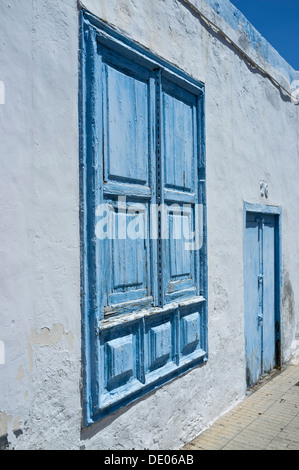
(280, 414)
(241, 419)
(226, 430)
(227, 420)
(214, 440)
(279, 421)
(190, 447)
(206, 444)
(292, 396)
(268, 418)
(289, 435)
(262, 431)
(262, 405)
(235, 445)
(267, 432)
(254, 439)
(292, 399)
(292, 428)
(295, 421)
(213, 436)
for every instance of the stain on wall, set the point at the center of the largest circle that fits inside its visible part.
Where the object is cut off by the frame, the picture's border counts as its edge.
(48, 337)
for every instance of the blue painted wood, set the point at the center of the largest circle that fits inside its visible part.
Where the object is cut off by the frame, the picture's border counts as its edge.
(261, 257)
(190, 333)
(260, 209)
(126, 125)
(128, 262)
(142, 354)
(180, 159)
(120, 363)
(119, 368)
(160, 345)
(160, 177)
(253, 331)
(180, 262)
(193, 332)
(127, 155)
(178, 142)
(128, 190)
(90, 295)
(125, 150)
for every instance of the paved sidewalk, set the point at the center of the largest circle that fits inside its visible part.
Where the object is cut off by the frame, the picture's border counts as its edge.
(268, 419)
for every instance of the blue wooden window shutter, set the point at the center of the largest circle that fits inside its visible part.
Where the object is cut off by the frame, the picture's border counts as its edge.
(144, 298)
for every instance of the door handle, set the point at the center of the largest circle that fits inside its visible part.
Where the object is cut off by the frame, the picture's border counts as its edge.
(260, 319)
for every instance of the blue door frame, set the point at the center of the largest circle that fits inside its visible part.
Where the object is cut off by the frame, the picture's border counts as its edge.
(262, 229)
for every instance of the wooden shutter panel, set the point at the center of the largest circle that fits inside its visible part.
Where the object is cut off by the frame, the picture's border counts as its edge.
(180, 190)
(127, 153)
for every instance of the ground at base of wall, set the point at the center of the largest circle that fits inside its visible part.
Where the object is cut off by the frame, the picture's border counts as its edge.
(264, 379)
(267, 419)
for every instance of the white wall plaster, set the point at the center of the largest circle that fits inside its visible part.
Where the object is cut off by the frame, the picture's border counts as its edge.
(251, 135)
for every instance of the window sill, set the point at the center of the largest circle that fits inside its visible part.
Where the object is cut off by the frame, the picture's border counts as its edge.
(149, 312)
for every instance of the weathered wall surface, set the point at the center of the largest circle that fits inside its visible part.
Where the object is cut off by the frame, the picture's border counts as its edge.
(252, 136)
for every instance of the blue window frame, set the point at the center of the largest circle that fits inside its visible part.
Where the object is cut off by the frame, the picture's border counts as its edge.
(144, 298)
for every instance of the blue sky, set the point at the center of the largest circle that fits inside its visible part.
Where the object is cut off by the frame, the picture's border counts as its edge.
(278, 22)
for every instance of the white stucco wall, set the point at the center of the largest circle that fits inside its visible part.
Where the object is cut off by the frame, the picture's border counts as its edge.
(251, 134)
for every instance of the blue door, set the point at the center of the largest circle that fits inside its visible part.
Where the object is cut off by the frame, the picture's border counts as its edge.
(260, 313)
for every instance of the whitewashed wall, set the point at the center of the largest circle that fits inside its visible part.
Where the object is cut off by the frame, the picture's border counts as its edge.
(252, 135)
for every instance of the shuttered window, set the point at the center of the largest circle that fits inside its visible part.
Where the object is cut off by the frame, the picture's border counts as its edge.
(144, 266)
(128, 182)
